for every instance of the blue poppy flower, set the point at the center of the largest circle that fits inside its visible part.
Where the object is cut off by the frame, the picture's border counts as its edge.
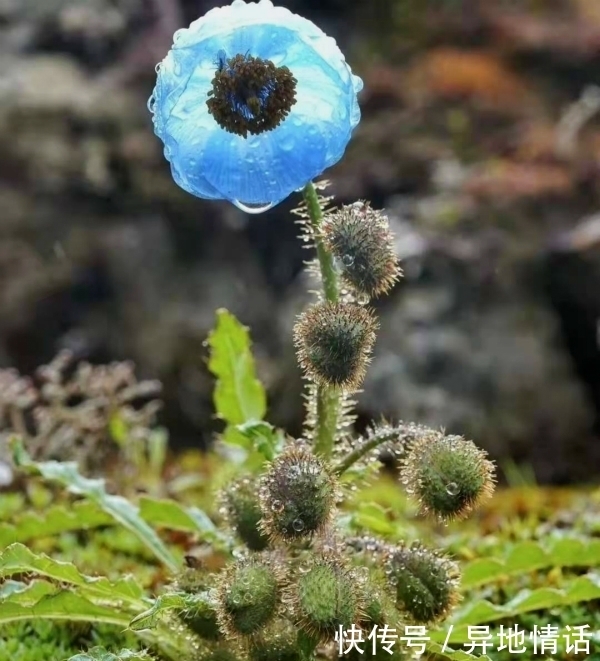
(252, 102)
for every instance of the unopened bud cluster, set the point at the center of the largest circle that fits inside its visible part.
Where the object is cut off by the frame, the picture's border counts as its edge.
(297, 577)
(333, 339)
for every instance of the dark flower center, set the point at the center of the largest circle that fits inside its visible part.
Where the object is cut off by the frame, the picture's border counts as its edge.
(250, 95)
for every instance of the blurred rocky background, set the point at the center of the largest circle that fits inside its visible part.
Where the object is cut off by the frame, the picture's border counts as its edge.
(480, 137)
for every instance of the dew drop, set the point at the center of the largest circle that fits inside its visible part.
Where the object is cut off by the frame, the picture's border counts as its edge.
(363, 299)
(287, 143)
(252, 208)
(277, 506)
(452, 489)
(348, 260)
(298, 525)
(151, 103)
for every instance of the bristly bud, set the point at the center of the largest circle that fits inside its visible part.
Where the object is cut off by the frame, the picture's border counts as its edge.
(360, 239)
(425, 582)
(324, 596)
(278, 642)
(379, 608)
(200, 617)
(297, 495)
(449, 475)
(202, 620)
(241, 507)
(334, 342)
(248, 597)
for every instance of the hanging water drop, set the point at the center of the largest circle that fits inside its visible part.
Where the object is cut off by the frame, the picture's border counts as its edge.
(252, 208)
(452, 489)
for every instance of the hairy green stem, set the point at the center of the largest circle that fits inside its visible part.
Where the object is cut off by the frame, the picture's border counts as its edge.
(400, 435)
(328, 399)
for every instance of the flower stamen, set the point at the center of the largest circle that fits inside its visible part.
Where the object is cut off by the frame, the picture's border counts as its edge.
(250, 95)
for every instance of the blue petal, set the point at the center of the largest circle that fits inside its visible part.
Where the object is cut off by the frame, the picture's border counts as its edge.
(210, 162)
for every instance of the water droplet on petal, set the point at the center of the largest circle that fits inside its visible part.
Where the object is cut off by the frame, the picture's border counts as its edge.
(452, 488)
(252, 208)
(348, 260)
(287, 143)
(298, 525)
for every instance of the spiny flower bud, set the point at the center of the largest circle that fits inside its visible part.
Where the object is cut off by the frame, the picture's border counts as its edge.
(426, 583)
(202, 620)
(326, 595)
(379, 608)
(200, 617)
(248, 597)
(241, 507)
(449, 475)
(297, 495)
(359, 237)
(334, 342)
(278, 642)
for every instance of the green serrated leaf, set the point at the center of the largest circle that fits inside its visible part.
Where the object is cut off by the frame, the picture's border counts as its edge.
(119, 508)
(57, 519)
(165, 602)
(239, 396)
(25, 593)
(102, 654)
(18, 559)
(530, 556)
(59, 605)
(582, 589)
(175, 516)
